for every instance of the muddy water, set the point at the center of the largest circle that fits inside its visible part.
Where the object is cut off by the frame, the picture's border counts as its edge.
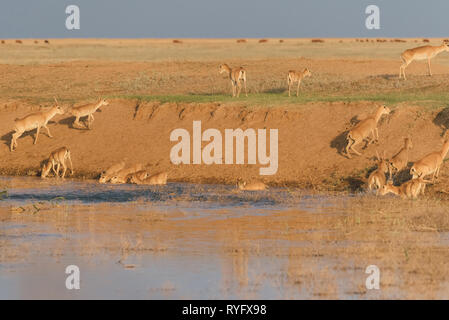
(178, 241)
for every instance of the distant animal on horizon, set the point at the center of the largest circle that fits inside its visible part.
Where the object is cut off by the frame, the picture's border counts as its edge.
(421, 53)
(33, 121)
(237, 76)
(431, 163)
(57, 159)
(363, 129)
(296, 76)
(87, 110)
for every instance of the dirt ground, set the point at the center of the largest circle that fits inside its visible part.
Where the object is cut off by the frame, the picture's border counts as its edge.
(311, 134)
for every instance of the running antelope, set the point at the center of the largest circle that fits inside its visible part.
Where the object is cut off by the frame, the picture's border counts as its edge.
(88, 111)
(123, 175)
(400, 160)
(421, 53)
(33, 121)
(110, 172)
(155, 179)
(431, 163)
(237, 76)
(253, 186)
(57, 159)
(377, 178)
(297, 76)
(410, 189)
(363, 129)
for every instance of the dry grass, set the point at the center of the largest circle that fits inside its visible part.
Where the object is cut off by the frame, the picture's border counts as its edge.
(199, 50)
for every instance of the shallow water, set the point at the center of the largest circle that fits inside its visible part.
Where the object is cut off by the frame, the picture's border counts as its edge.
(198, 197)
(176, 241)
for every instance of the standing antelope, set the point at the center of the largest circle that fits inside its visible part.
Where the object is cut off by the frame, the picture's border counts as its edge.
(400, 160)
(363, 129)
(410, 189)
(421, 53)
(377, 178)
(57, 158)
(33, 121)
(296, 76)
(431, 163)
(87, 110)
(237, 76)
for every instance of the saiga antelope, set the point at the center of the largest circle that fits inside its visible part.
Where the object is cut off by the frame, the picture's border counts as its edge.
(138, 176)
(254, 186)
(88, 111)
(155, 179)
(106, 176)
(296, 76)
(363, 129)
(410, 189)
(377, 178)
(400, 160)
(57, 159)
(421, 53)
(33, 121)
(237, 76)
(123, 175)
(431, 163)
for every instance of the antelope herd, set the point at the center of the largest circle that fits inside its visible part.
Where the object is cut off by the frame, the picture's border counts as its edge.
(430, 164)
(365, 131)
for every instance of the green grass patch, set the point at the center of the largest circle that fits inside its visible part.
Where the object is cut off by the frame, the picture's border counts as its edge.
(3, 194)
(278, 99)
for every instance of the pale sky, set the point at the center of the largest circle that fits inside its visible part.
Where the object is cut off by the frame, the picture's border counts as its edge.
(223, 18)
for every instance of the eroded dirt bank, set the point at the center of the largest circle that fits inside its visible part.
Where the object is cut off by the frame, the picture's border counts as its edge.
(310, 137)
